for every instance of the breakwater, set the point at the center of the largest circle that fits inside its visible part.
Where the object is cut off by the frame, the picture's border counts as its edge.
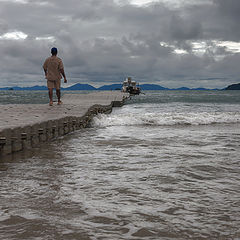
(25, 126)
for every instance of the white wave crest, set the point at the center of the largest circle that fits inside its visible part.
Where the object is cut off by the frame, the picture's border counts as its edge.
(165, 119)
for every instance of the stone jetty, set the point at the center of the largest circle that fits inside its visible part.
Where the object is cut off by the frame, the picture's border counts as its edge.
(25, 126)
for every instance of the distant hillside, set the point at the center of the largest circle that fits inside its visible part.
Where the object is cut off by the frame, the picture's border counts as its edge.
(233, 87)
(183, 89)
(36, 88)
(110, 87)
(77, 86)
(198, 89)
(144, 87)
(147, 87)
(88, 87)
(16, 88)
(80, 86)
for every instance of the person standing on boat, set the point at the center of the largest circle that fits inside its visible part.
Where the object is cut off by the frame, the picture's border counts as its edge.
(54, 70)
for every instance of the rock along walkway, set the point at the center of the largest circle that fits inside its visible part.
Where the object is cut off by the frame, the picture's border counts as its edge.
(24, 126)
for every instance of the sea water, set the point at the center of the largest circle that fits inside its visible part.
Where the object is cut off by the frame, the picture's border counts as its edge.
(164, 166)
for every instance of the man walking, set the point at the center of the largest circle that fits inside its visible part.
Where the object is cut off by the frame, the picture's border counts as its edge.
(54, 70)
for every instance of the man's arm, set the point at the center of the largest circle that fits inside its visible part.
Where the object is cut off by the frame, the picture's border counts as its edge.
(61, 69)
(63, 74)
(45, 68)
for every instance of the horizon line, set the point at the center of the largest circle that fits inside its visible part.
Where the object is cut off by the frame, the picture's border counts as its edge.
(108, 85)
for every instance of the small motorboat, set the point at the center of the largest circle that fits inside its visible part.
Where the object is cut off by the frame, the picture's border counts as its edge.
(131, 87)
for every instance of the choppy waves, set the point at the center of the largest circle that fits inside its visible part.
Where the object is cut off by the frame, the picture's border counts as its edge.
(122, 180)
(166, 119)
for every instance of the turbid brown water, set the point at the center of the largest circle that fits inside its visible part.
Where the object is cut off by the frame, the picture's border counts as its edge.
(146, 171)
(88, 185)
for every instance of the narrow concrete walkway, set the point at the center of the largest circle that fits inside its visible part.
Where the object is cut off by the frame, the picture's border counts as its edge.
(26, 125)
(20, 115)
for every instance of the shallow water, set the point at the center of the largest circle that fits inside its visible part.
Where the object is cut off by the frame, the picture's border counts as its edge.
(159, 173)
(30, 97)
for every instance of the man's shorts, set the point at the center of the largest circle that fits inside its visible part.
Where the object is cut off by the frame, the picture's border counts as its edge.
(54, 84)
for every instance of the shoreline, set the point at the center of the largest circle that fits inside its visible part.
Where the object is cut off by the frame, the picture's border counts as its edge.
(25, 126)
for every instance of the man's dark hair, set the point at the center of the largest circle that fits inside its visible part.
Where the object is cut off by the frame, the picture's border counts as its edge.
(54, 51)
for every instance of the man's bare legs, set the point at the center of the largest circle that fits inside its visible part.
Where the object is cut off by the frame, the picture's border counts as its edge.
(50, 93)
(58, 93)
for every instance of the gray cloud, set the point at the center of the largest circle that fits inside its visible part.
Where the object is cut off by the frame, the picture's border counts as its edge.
(103, 42)
(185, 29)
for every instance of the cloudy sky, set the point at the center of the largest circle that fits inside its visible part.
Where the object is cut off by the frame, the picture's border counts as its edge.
(173, 43)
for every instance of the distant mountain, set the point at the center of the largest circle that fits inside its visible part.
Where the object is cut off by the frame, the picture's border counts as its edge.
(201, 89)
(80, 86)
(196, 89)
(144, 87)
(77, 86)
(183, 88)
(110, 87)
(6, 88)
(37, 88)
(233, 87)
(16, 88)
(147, 87)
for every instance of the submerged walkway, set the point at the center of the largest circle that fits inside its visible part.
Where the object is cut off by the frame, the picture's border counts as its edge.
(24, 126)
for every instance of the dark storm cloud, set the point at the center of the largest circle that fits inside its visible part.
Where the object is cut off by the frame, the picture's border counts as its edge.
(184, 29)
(102, 41)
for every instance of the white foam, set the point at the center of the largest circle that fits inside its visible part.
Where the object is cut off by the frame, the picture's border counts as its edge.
(168, 118)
